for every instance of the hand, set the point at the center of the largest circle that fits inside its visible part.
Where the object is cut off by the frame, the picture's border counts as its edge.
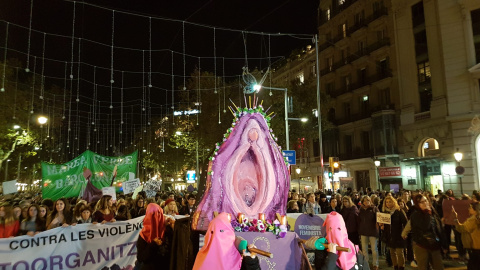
(404, 236)
(332, 247)
(454, 213)
(158, 241)
(103, 222)
(381, 226)
(94, 222)
(73, 224)
(64, 225)
(113, 220)
(252, 254)
(30, 233)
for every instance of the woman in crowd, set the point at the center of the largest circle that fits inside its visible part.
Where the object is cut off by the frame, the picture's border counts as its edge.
(324, 204)
(292, 207)
(17, 212)
(349, 213)
(43, 210)
(331, 207)
(311, 206)
(9, 225)
(170, 207)
(138, 208)
(123, 213)
(368, 229)
(470, 231)
(61, 214)
(85, 215)
(155, 240)
(426, 235)
(392, 233)
(76, 211)
(104, 211)
(34, 223)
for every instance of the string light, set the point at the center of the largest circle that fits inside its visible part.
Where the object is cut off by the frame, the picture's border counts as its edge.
(5, 59)
(42, 86)
(73, 39)
(27, 69)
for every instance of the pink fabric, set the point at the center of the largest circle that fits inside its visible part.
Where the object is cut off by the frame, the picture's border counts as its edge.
(337, 233)
(219, 251)
(153, 223)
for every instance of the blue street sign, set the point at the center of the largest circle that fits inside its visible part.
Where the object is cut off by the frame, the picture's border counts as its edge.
(291, 156)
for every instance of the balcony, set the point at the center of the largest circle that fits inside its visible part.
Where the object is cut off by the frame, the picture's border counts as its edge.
(357, 26)
(380, 75)
(379, 44)
(335, 11)
(383, 11)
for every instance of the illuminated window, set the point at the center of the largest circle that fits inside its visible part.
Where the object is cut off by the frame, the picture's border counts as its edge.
(328, 14)
(429, 147)
(301, 78)
(344, 30)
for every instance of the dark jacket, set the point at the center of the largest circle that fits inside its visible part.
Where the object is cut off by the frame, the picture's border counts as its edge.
(350, 216)
(367, 224)
(153, 256)
(426, 230)
(392, 233)
(331, 262)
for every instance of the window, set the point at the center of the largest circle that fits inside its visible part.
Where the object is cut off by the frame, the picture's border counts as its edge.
(359, 17)
(430, 147)
(328, 14)
(346, 110)
(346, 82)
(366, 141)
(383, 67)
(423, 69)
(341, 2)
(361, 47)
(362, 76)
(418, 15)
(330, 63)
(330, 87)
(344, 30)
(301, 78)
(475, 14)
(381, 34)
(365, 105)
(348, 144)
(384, 98)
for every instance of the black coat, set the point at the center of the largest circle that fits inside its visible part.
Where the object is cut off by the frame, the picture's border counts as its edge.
(350, 216)
(392, 233)
(368, 221)
(151, 256)
(427, 230)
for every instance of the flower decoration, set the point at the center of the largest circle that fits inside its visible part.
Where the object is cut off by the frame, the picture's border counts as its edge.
(257, 225)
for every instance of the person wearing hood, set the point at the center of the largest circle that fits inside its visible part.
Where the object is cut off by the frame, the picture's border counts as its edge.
(220, 251)
(337, 235)
(155, 240)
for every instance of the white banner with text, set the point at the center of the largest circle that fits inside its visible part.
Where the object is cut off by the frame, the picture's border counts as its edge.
(84, 246)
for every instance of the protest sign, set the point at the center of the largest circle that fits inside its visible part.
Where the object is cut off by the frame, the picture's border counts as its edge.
(307, 226)
(137, 190)
(384, 218)
(461, 207)
(9, 187)
(111, 192)
(130, 185)
(84, 247)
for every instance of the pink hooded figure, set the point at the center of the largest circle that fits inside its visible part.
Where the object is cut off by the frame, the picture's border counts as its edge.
(219, 251)
(337, 233)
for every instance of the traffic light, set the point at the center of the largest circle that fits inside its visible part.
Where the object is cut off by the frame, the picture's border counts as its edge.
(330, 174)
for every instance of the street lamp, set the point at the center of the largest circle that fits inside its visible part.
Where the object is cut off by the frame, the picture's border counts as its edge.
(257, 88)
(459, 169)
(298, 170)
(16, 127)
(377, 164)
(42, 120)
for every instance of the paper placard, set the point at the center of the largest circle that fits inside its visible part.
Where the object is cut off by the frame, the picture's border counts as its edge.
(110, 191)
(461, 207)
(9, 187)
(384, 218)
(130, 185)
(137, 190)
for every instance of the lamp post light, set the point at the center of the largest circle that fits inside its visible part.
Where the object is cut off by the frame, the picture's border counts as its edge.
(258, 87)
(377, 164)
(459, 169)
(298, 170)
(42, 120)
(16, 127)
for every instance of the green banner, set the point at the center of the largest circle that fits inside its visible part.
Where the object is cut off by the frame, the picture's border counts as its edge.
(66, 180)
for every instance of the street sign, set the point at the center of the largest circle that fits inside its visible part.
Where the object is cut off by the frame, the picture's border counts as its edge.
(291, 156)
(191, 177)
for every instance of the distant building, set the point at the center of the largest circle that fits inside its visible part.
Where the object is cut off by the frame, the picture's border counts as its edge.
(404, 80)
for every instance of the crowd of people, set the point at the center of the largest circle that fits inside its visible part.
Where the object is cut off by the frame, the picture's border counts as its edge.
(417, 233)
(25, 214)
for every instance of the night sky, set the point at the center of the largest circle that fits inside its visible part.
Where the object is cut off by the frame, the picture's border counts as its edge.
(184, 34)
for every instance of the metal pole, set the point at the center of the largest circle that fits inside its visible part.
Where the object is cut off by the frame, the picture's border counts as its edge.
(18, 167)
(197, 176)
(320, 141)
(6, 170)
(287, 137)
